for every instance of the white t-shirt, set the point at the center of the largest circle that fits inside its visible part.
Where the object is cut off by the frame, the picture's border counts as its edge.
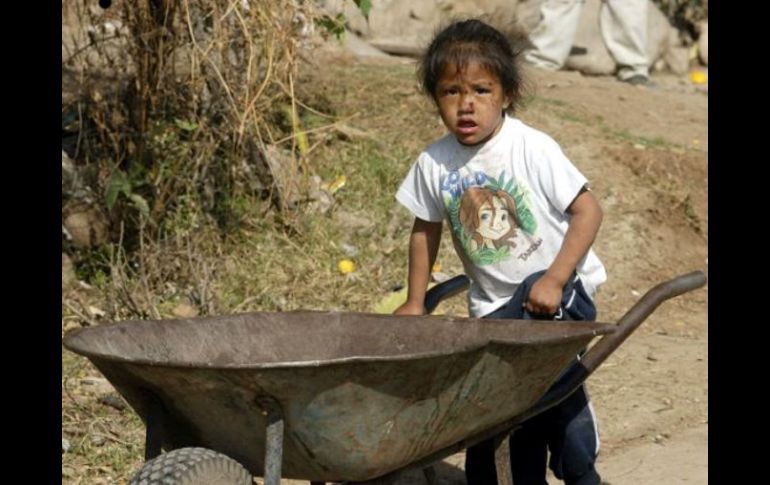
(505, 202)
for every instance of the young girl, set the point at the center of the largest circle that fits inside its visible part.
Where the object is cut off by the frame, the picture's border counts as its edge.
(522, 221)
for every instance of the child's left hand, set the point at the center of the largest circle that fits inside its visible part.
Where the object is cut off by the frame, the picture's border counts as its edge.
(544, 297)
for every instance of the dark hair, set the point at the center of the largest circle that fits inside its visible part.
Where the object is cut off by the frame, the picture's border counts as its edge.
(472, 40)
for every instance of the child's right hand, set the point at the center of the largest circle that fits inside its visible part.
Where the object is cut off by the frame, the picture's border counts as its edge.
(545, 296)
(409, 308)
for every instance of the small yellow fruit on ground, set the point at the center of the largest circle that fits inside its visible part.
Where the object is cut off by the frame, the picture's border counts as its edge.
(346, 266)
(699, 77)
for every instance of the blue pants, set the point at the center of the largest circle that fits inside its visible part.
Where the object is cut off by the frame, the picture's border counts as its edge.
(567, 429)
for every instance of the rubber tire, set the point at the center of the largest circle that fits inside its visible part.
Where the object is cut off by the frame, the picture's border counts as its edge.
(192, 466)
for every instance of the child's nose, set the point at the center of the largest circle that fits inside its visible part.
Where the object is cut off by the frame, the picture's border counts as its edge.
(466, 102)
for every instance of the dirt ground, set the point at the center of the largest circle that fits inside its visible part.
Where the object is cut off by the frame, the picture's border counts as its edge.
(645, 151)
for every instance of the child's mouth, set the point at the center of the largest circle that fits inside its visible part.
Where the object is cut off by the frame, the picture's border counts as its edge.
(466, 127)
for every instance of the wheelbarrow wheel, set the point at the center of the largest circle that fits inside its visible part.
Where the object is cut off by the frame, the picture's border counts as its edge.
(192, 466)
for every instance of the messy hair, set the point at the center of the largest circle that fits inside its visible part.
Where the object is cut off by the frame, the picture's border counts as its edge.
(466, 41)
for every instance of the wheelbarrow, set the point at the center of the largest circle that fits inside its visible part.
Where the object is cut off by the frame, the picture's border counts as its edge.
(342, 397)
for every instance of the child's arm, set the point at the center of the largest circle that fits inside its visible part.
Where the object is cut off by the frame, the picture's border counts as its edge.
(423, 248)
(586, 217)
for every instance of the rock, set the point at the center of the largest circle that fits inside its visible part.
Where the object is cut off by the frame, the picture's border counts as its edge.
(359, 47)
(285, 173)
(68, 276)
(83, 222)
(96, 312)
(660, 34)
(86, 225)
(677, 59)
(185, 310)
(349, 250)
(597, 60)
(703, 42)
(409, 24)
(320, 201)
(73, 185)
(319, 196)
(399, 46)
(439, 277)
(99, 385)
(528, 14)
(85, 286)
(65, 445)
(113, 400)
(67, 170)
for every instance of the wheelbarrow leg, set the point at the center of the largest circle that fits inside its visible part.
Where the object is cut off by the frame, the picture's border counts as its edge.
(153, 440)
(273, 440)
(430, 475)
(503, 458)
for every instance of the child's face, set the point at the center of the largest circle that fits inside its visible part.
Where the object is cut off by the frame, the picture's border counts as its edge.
(471, 102)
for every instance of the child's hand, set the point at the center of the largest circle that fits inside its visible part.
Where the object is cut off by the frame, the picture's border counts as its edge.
(544, 297)
(408, 308)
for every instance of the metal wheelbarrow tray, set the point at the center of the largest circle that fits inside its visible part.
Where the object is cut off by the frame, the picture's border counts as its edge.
(326, 396)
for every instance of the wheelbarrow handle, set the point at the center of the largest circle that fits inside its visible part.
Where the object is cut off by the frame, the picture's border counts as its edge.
(638, 313)
(445, 289)
(597, 354)
(579, 371)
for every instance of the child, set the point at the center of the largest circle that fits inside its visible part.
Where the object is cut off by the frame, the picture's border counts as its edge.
(522, 221)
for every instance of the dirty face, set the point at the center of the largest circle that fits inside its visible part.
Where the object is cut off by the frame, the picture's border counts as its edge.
(471, 102)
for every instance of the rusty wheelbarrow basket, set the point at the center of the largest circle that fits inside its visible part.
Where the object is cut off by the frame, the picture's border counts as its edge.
(342, 397)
